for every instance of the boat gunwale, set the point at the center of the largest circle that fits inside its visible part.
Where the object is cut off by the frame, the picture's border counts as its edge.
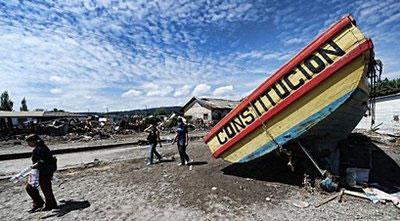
(304, 53)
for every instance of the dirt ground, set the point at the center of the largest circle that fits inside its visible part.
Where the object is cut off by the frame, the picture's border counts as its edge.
(212, 190)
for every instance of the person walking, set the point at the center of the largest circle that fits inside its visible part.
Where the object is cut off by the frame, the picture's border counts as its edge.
(182, 140)
(153, 138)
(46, 164)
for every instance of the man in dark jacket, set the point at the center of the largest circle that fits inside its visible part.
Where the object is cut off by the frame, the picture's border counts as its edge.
(44, 161)
(153, 138)
(182, 139)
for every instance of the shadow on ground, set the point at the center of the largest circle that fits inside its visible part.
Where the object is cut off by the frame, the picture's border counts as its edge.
(270, 168)
(68, 206)
(166, 160)
(197, 163)
(357, 151)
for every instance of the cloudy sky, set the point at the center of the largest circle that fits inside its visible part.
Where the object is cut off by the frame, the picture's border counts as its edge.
(84, 55)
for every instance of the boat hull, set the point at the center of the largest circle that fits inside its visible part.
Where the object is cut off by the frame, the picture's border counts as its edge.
(323, 138)
(343, 85)
(319, 96)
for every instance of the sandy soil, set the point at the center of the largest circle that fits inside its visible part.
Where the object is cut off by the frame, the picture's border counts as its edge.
(212, 190)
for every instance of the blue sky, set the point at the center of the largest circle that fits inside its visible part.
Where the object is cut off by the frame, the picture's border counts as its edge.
(93, 54)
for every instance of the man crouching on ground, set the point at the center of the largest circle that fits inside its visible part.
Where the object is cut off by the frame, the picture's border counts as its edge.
(182, 139)
(43, 161)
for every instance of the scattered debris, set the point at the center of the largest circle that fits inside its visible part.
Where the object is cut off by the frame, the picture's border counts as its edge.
(299, 204)
(356, 194)
(85, 129)
(356, 176)
(376, 195)
(330, 198)
(329, 184)
(340, 197)
(94, 163)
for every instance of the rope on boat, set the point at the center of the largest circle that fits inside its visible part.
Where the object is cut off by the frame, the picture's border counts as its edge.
(374, 75)
(281, 150)
(265, 127)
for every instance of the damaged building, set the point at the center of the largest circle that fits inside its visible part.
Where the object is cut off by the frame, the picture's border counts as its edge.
(12, 121)
(207, 110)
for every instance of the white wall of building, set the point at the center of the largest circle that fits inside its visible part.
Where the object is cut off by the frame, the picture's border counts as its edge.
(197, 111)
(387, 112)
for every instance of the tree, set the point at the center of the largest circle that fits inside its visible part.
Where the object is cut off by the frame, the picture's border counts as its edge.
(171, 122)
(387, 87)
(23, 107)
(160, 111)
(5, 103)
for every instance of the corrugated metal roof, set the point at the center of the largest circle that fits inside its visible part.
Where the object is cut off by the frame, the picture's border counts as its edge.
(217, 103)
(25, 114)
(61, 114)
(21, 114)
(212, 103)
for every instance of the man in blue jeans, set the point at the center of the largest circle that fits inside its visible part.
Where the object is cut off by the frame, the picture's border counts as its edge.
(182, 139)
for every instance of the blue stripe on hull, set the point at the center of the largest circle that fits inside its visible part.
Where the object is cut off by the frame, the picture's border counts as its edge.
(297, 130)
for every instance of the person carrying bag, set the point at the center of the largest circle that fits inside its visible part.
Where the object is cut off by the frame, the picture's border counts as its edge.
(45, 164)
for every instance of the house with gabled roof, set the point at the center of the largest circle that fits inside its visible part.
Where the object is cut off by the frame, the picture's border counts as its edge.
(207, 110)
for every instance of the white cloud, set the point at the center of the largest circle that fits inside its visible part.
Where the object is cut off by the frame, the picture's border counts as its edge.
(294, 41)
(201, 89)
(150, 86)
(183, 91)
(58, 79)
(56, 91)
(261, 55)
(161, 92)
(153, 90)
(131, 93)
(223, 91)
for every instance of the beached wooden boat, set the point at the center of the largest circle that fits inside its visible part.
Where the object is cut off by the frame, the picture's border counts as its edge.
(318, 97)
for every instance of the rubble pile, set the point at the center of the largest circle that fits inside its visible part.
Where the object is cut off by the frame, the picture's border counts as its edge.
(85, 129)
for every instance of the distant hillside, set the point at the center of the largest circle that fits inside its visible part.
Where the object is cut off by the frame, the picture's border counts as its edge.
(142, 112)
